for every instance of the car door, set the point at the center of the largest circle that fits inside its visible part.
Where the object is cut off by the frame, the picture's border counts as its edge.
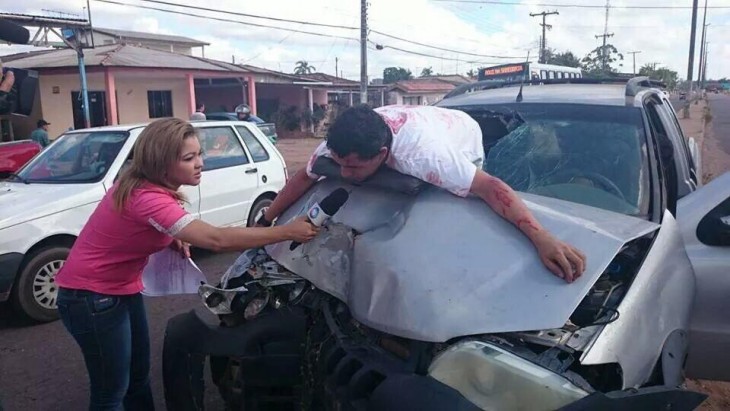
(270, 166)
(704, 218)
(230, 180)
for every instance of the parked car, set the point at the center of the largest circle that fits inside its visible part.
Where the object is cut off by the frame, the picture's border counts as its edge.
(415, 299)
(14, 154)
(44, 207)
(269, 129)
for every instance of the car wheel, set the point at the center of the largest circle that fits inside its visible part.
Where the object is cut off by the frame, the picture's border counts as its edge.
(35, 291)
(258, 210)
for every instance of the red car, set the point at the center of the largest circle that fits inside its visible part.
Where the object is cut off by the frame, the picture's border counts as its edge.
(15, 154)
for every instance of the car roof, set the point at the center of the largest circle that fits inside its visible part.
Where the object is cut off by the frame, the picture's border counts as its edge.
(598, 94)
(129, 127)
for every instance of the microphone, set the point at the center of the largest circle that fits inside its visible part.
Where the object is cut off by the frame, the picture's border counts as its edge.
(320, 213)
(13, 33)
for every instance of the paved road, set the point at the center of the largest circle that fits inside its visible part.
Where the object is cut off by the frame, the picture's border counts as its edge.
(720, 106)
(41, 367)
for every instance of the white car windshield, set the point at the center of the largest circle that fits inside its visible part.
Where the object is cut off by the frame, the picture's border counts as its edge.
(75, 158)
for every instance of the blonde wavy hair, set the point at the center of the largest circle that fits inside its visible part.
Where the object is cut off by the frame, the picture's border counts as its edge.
(156, 150)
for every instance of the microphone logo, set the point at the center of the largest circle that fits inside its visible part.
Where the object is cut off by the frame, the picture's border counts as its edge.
(313, 213)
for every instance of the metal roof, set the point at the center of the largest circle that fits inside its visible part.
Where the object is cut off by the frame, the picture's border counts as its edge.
(118, 55)
(423, 86)
(601, 94)
(165, 38)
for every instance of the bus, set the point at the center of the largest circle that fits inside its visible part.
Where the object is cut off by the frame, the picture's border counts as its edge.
(528, 71)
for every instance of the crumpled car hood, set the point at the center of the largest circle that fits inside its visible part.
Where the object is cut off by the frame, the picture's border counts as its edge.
(433, 266)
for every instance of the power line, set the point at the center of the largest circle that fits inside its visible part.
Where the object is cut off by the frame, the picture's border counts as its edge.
(416, 53)
(583, 6)
(254, 16)
(245, 23)
(283, 28)
(444, 49)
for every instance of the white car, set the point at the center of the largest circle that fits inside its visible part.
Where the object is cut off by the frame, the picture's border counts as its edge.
(44, 207)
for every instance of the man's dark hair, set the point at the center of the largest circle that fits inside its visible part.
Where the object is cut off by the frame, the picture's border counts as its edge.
(359, 129)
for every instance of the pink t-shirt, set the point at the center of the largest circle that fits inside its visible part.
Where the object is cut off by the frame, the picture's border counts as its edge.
(113, 247)
(435, 144)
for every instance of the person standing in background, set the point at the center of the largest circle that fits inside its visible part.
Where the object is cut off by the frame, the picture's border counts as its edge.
(40, 134)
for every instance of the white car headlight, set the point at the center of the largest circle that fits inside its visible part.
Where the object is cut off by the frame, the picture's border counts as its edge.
(495, 379)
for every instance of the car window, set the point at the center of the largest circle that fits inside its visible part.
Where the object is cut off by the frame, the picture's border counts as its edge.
(257, 150)
(76, 158)
(221, 148)
(593, 155)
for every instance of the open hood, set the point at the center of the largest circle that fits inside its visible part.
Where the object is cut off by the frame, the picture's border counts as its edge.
(433, 266)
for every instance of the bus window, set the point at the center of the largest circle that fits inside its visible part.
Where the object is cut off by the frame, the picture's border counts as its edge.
(551, 74)
(543, 74)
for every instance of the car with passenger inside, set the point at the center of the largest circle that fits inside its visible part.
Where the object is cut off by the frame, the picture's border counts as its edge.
(45, 204)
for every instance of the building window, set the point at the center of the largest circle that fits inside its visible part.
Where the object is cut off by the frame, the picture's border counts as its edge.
(160, 103)
(412, 101)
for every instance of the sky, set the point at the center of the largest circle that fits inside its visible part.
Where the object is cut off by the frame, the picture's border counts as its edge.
(453, 36)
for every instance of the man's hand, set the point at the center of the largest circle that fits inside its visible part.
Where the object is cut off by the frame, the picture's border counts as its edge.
(7, 82)
(563, 260)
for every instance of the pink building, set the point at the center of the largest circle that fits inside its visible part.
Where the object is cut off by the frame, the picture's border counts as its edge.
(133, 84)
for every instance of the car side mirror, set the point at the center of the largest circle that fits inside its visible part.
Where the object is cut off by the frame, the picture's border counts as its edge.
(714, 228)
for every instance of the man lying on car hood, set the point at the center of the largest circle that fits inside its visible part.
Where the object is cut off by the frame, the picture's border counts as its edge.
(438, 145)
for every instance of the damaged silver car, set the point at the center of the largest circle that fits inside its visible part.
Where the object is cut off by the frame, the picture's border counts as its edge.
(412, 298)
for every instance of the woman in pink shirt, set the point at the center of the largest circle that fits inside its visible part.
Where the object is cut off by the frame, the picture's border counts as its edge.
(99, 298)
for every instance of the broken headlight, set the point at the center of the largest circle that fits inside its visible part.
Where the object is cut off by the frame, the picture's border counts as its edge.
(495, 379)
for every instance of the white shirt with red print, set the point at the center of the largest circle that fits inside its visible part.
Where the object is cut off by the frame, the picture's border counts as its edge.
(438, 145)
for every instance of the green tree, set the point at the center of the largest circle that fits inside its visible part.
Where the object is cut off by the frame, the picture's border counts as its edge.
(598, 63)
(394, 74)
(427, 71)
(667, 76)
(471, 73)
(566, 58)
(303, 67)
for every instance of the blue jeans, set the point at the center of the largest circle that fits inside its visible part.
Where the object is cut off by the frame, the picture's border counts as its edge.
(112, 333)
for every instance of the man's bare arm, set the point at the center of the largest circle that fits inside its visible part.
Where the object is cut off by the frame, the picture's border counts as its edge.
(562, 259)
(292, 191)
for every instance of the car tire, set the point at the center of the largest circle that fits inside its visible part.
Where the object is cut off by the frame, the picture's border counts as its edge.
(258, 207)
(35, 291)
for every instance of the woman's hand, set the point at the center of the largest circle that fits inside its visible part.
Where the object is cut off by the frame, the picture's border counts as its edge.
(301, 230)
(182, 247)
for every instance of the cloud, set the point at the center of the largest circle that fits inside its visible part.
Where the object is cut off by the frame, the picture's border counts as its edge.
(662, 35)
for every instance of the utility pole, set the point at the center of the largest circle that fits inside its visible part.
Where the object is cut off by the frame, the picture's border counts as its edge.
(337, 66)
(704, 64)
(604, 55)
(690, 64)
(545, 26)
(605, 35)
(363, 51)
(634, 54)
(703, 44)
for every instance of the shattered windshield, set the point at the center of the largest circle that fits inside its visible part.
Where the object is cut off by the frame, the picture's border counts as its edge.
(588, 154)
(76, 158)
